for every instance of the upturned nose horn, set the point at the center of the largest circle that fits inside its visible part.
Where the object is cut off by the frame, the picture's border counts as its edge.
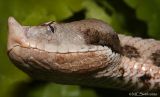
(16, 34)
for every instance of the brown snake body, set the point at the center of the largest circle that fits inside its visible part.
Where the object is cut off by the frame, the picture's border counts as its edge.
(86, 52)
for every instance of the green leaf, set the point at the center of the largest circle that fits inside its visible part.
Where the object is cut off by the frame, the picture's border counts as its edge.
(39, 15)
(148, 11)
(95, 11)
(57, 90)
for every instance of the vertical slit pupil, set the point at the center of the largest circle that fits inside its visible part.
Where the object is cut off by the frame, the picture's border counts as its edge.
(49, 24)
(52, 29)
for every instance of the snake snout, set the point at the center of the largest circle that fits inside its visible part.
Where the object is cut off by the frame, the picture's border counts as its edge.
(16, 35)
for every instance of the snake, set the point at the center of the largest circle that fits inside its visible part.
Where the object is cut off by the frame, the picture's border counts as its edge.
(86, 52)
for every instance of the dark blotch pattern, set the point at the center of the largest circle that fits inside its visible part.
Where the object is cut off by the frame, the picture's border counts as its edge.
(130, 52)
(156, 58)
(145, 78)
(121, 70)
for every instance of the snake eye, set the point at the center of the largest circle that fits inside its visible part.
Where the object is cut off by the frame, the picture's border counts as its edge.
(52, 29)
(49, 24)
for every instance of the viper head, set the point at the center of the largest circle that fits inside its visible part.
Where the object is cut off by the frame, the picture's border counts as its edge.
(79, 36)
(80, 47)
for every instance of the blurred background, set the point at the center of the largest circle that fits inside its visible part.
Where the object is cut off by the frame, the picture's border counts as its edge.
(130, 17)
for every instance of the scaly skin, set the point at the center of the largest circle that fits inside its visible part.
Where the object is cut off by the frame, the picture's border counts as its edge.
(86, 52)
